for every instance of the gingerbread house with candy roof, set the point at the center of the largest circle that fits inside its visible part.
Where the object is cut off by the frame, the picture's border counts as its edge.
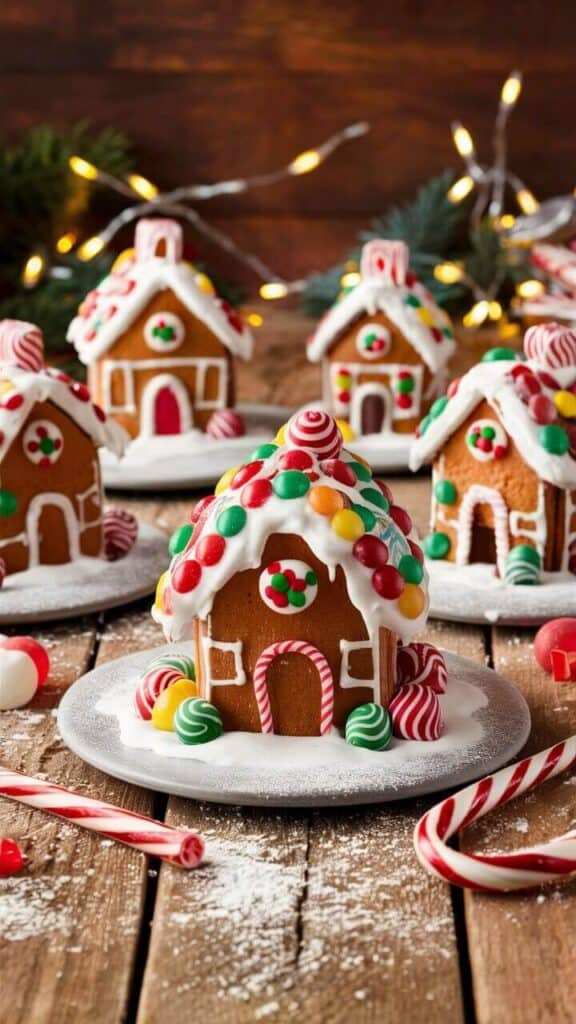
(295, 582)
(51, 497)
(384, 346)
(158, 342)
(502, 442)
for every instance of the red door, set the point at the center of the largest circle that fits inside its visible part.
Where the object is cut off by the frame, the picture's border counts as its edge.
(167, 419)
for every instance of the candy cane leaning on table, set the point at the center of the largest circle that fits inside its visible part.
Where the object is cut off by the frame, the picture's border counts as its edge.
(498, 872)
(175, 845)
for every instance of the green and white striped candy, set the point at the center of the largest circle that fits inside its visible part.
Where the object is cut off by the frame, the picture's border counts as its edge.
(197, 721)
(183, 663)
(523, 566)
(369, 726)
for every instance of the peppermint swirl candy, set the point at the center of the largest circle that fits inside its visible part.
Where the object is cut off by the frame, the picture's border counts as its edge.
(120, 533)
(197, 721)
(21, 344)
(551, 345)
(416, 714)
(151, 685)
(422, 663)
(183, 663)
(369, 726)
(316, 432)
(225, 423)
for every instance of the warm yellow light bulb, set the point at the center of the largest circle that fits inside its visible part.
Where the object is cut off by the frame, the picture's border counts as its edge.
(254, 319)
(273, 290)
(305, 162)
(32, 270)
(463, 140)
(511, 89)
(494, 310)
(66, 242)
(530, 289)
(83, 168)
(144, 188)
(350, 279)
(507, 220)
(90, 248)
(527, 201)
(460, 189)
(477, 315)
(448, 273)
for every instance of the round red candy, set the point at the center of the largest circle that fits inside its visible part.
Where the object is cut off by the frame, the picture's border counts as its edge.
(526, 385)
(416, 551)
(339, 471)
(99, 413)
(296, 460)
(80, 391)
(201, 507)
(484, 444)
(370, 551)
(256, 493)
(403, 401)
(388, 582)
(542, 409)
(401, 518)
(210, 549)
(548, 380)
(559, 634)
(186, 576)
(35, 651)
(245, 473)
(13, 402)
(453, 387)
(11, 859)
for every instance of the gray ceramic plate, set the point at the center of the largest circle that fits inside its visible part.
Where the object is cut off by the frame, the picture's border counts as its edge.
(95, 737)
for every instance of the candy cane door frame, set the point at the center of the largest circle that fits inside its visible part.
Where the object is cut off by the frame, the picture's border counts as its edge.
(261, 685)
(174, 386)
(364, 396)
(38, 504)
(480, 495)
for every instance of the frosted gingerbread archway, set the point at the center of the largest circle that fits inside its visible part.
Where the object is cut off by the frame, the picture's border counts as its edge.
(261, 682)
(478, 494)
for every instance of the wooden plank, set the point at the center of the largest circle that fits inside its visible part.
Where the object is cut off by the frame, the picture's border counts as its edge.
(521, 945)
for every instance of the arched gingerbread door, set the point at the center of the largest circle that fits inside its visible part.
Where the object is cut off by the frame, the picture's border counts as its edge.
(52, 530)
(166, 407)
(371, 409)
(323, 670)
(167, 418)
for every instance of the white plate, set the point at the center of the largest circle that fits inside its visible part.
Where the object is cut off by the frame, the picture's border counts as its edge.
(487, 723)
(190, 460)
(473, 594)
(53, 592)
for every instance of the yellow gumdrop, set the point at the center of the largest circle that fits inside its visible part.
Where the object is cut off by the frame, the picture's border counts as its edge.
(169, 701)
(5, 386)
(346, 431)
(565, 402)
(127, 255)
(204, 283)
(281, 435)
(160, 590)
(225, 480)
(412, 601)
(427, 316)
(348, 525)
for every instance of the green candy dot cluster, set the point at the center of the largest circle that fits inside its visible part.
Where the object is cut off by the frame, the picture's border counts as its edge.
(437, 544)
(445, 492)
(405, 385)
(231, 521)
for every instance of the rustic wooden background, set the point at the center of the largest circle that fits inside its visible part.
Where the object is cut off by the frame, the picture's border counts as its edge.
(238, 86)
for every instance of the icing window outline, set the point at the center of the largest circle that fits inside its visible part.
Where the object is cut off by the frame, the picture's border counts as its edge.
(164, 332)
(348, 681)
(233, 647)
(373, 341)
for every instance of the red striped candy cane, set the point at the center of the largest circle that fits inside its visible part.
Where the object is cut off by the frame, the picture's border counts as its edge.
(497, 872)
(324, 671)
(176, 845)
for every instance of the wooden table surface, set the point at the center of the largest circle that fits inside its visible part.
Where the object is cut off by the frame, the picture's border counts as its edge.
(321, 916)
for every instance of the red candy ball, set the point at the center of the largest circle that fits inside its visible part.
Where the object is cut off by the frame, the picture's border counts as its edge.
(548, 380)
(245, 473)
(35, 651)
(339, 471)
(559, 634)
(388, 582)
(453, 387)
(210, 549)
(542, 409)
(296, 460)
(416, 551)
(401, 518)
(201, 506)
(11, 859)
(186, 576)
(385, 491)
(256, 494)
(371, 551)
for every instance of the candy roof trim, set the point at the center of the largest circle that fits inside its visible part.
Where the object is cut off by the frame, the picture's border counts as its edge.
(49, 385)
(493, 381)
(124, 294)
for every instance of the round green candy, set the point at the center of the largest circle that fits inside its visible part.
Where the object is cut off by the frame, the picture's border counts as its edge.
(311, 578)
(413, 300)
(488, 432)
(279, 582)
(437, 545)
(554, 439)
(525, 553)
(197, 721)
(181, 662)
(405, 385)
(264, 451)
(362, 472)
(231, 521)
(180, 539)
(411, 569)
(423, 425)
(495, 355)
(367, 517)
(438, 406)
(8, 503)
(291, 484)
(375, 496)
(445, 492)
(296, 598)
(369, 726)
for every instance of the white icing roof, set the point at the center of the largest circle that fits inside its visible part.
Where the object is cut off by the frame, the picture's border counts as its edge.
(409, 305)
(113, 306)
(50, 385)
(493, 381)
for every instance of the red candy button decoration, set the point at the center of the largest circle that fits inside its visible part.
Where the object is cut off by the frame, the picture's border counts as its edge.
(34, 650)
(370, 551)
(245, 473)
(316, 432)
(555, 648)
(339, 471)
(385, 491)
(416, 551)
(296, 460)
(201, 507)
(401, 518)
(210, 549)
(542, 409)
(13, 402)
(11, 858)
(256, 494)
(21, 344)
(186, 576)
(388, 582)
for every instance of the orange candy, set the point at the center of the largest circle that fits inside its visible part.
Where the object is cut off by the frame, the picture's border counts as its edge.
(326, 501)
(412, 601)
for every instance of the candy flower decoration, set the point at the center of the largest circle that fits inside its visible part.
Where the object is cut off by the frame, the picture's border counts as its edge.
(24, 668)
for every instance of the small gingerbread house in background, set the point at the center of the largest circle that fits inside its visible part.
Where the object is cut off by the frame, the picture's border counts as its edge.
(51, 497)
(557, 300)
(158, 342)
(503, 447)
(298, 579)
(384, 346)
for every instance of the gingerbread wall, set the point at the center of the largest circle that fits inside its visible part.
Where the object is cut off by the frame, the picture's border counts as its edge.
(199, 341)
(71, 475)
(345, 351)
(239, 613)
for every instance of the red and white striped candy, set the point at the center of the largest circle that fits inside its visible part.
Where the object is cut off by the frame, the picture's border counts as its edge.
(151, 685)
(422, 663)
(415, 712)
(385, 259)
(225, 423)
(120, 533)
(316, 432)
(498, 872)
(324, 671)
(24, 667)
(21, 344)
(551, 345)
(557, 261)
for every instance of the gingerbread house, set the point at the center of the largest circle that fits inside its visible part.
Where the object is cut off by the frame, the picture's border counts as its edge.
(51, 498)
(384, 346)
(502, 443)
(298, 580)
(158, 342)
